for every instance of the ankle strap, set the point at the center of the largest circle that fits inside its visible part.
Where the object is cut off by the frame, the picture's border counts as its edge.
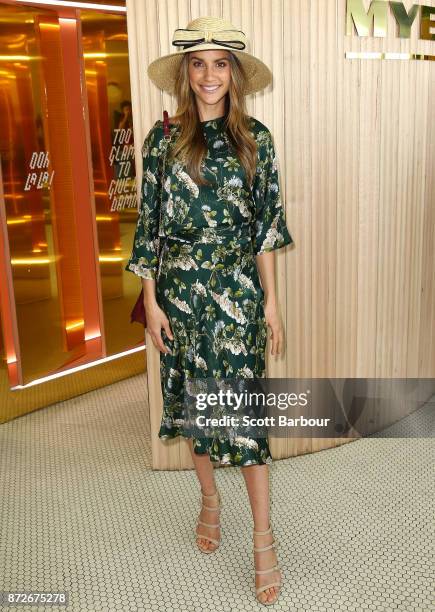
(216, 509)
(212, 495)
(263, 532)
(263, 548)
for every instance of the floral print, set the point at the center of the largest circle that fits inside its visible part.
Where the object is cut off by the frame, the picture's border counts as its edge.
(207, 281)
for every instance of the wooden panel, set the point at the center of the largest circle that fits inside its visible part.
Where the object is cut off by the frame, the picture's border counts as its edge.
(355, 142)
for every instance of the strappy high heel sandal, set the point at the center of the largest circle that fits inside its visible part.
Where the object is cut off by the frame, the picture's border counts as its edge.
(215, 526)
(277, 583)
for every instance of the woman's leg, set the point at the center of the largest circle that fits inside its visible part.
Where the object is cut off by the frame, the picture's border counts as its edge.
(205, 473)
(257, 483)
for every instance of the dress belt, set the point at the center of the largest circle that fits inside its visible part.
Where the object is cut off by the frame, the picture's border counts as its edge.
(237, 242)
(240, 235)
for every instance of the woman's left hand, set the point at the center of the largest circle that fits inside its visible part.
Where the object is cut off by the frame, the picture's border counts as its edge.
(274, 323)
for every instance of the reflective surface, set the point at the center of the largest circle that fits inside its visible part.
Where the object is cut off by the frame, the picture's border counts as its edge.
(67, 170)
(38, 195)
(105, 51)
(374, 20)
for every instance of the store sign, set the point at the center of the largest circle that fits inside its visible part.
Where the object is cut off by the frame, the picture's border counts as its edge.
(122, 188)
(419, 17)
(38, 176)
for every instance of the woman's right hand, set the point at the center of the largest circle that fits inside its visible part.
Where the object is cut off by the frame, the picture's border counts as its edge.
(156, 319)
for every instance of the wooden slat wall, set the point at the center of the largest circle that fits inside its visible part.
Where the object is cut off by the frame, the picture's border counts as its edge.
(355, 140)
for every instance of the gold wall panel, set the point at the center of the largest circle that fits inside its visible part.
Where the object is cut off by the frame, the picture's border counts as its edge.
(107, 78)
(65, 144)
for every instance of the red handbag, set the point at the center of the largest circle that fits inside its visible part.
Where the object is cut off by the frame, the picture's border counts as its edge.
(138, 312)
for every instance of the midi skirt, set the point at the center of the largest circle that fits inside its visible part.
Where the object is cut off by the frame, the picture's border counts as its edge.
(209, 288)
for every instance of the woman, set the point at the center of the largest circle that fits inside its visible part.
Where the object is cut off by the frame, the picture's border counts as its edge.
(221, 217)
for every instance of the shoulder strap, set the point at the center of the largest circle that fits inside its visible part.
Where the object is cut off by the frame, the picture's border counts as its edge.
(167, 138)
(166, 123)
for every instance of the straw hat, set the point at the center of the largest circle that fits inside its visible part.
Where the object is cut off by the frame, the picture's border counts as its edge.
(209, 33)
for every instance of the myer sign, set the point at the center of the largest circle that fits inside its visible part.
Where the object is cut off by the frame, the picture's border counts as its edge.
(373, 22)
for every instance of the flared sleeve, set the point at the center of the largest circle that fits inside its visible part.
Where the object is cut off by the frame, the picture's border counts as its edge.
(270, 231)
(143, 259)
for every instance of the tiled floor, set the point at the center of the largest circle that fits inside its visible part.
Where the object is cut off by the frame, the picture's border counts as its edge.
(82, 512)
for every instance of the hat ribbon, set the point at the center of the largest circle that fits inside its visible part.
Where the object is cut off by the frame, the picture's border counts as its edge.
(221, 37)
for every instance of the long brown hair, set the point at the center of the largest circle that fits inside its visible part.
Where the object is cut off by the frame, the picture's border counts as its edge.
(190, 145)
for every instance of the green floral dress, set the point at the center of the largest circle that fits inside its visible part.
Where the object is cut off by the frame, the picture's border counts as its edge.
(207, 281)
